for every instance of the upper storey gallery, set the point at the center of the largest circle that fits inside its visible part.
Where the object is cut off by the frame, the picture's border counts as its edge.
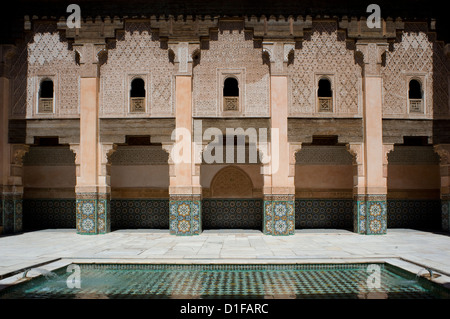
(231, 62)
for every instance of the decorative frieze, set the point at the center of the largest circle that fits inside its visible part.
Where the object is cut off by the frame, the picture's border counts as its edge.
(139, 155)
(323, 155)
(49, 156)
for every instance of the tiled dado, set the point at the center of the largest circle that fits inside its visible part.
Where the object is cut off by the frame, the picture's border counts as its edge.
(139, 213)
(232, 213)
(445, 213)
(92, 214)
(49, 213)
(279, 216)
(185, 215)
(11, 213)
(416, 214)
(323, 213)
(370, 214)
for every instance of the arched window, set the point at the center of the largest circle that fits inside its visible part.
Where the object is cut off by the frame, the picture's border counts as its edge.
(415, 96)
(46, 89)
(231, 94)
(415, 89)
(46, 96)
(137, 95)
(137, 88)
(324, 88)
(230, 87)
(325, 95)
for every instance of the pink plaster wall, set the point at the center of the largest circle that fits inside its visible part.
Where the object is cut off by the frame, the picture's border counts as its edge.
(323, 176)
(154, 176)
(413, 177)
(49, 176)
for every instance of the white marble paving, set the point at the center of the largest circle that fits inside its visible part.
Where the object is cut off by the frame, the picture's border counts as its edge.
(25, 250)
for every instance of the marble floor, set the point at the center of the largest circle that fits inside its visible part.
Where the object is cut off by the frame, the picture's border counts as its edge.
(56, 247)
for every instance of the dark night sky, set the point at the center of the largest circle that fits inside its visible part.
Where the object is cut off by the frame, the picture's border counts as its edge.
(12, 15)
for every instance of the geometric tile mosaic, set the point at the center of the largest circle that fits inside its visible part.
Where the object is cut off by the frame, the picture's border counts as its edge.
(48, 213)
(279, 217)
(323, 213)
(445, 213)
(370, 215)
(232, 214)
(301, 281)
(140, 213)
(185, 215)
(12, 214)
(93, 214)
(416, 214)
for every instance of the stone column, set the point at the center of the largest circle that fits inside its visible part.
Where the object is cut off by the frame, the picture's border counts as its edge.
(92, 190)
(184, 190)
(444, 153)
(370, 200)
(279, 188)
(11, 155)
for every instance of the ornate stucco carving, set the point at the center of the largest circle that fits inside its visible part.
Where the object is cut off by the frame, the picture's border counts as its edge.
(324, 51)
(48, 55)
(416, 52)
(231, 182)
(137, 52)
(232, 49)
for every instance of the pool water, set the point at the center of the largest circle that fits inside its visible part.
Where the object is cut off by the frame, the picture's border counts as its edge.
(341, 281)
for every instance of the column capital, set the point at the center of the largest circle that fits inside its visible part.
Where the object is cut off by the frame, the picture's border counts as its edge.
(184, 55)
(372, 55)
(443, 150)
(279, 56)
(7, 51)
(90, 58)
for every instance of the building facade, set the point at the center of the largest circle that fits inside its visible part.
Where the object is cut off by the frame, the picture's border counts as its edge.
(351, 124)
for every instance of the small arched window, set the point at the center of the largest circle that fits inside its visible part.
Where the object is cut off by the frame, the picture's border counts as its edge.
(415, 89)
(46, 89)
(231, 94)
(46, 96)
(325, 95)
(415, 96)
(137, 88)
(230, 87)
(137, 95)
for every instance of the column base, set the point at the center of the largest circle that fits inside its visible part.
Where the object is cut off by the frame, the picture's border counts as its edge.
(93, 213)
(11, 213)
(279, 215)
(370, 214)
(445, 213)
(185, 215)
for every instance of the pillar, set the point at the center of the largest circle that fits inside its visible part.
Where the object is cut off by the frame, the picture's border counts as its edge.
(185, 189)
(11, 155)
(370, 208)
(93, 191)
(444, 153)
(279, 188)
